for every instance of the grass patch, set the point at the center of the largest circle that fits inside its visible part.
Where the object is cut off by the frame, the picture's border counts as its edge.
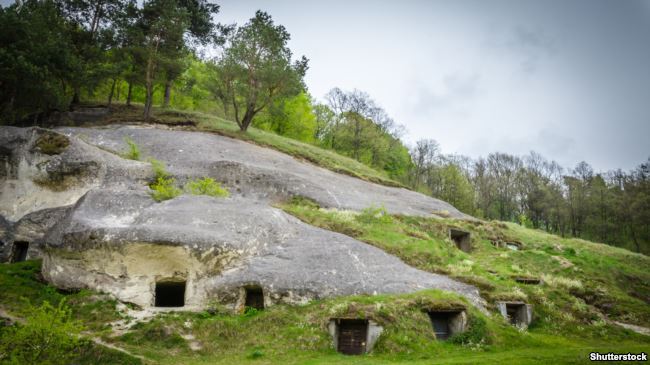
(582, 282)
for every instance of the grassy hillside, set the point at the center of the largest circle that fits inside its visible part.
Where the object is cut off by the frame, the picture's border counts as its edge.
(210, 123)
(585, 287)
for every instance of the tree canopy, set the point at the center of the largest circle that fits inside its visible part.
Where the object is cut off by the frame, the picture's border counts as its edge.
(256, 69)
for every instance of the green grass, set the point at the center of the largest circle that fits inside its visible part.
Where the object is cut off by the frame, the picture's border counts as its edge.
(212, 124)
(583, 281)
(298, 334)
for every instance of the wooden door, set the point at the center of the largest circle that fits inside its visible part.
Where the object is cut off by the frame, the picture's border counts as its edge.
(352, 337)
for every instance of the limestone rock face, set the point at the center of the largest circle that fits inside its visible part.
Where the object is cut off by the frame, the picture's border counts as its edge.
(42, 169)
(261, 173)
(89, 213)
(122, 242)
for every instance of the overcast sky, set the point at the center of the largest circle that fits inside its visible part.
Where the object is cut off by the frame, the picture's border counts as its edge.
(569, 79)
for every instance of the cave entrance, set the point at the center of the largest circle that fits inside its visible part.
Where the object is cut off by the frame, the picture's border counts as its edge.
(528, 281)
(19, 253)
(170, 294)
(446, 323)
(352, 337)
(254, 297)
(462, 239)
(516, 313)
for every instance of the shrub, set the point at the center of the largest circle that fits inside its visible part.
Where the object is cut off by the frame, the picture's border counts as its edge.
(159, 169)
(134, 151)
(164, 189)
(206, 186)
(48, 336)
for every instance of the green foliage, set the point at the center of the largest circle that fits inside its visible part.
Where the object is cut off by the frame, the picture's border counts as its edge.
(164, 189)
(37, 59)
(291, 117)
(256, 69)
(164, 186)
(206, 186)
(159, 169)
(134, 151)
(48, 336)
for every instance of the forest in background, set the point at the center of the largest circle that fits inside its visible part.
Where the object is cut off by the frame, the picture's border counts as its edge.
(55, 54)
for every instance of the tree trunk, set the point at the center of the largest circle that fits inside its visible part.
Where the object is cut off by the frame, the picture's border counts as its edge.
(247, 120)
(129, 94)
(119, 89)
(149, 78)
(75, 97)
(110, 94)
(168, 91)
(148, 100)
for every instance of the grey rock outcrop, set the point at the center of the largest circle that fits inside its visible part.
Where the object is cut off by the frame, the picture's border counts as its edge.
(261, 173)
(36, 176)
(122, 242)
(91, 216)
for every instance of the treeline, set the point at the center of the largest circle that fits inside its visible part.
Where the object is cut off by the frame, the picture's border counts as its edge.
(56, 53)
(611, 207)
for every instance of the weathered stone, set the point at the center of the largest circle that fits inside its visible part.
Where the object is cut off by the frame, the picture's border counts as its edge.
(31, 180)
(261, 173)
(105, 232)
(122, 242)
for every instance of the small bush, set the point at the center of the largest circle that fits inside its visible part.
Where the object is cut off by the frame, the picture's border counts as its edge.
(206, 186)
(48, 336)
(159, 169)
(164, 189)
(134, 151)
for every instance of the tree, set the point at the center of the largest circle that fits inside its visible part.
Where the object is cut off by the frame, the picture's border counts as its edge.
(291, 117)
(37, 59)
(165, 25)
(256, 69)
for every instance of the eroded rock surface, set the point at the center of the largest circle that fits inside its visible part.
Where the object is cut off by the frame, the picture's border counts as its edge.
(121, 242)
(36, 175)
(91, 215)
(261, 173)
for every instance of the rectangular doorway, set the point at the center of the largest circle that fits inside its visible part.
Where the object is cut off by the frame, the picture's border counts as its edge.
(170, 294)
(20, 250)
(254, 298)
(353, 334)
